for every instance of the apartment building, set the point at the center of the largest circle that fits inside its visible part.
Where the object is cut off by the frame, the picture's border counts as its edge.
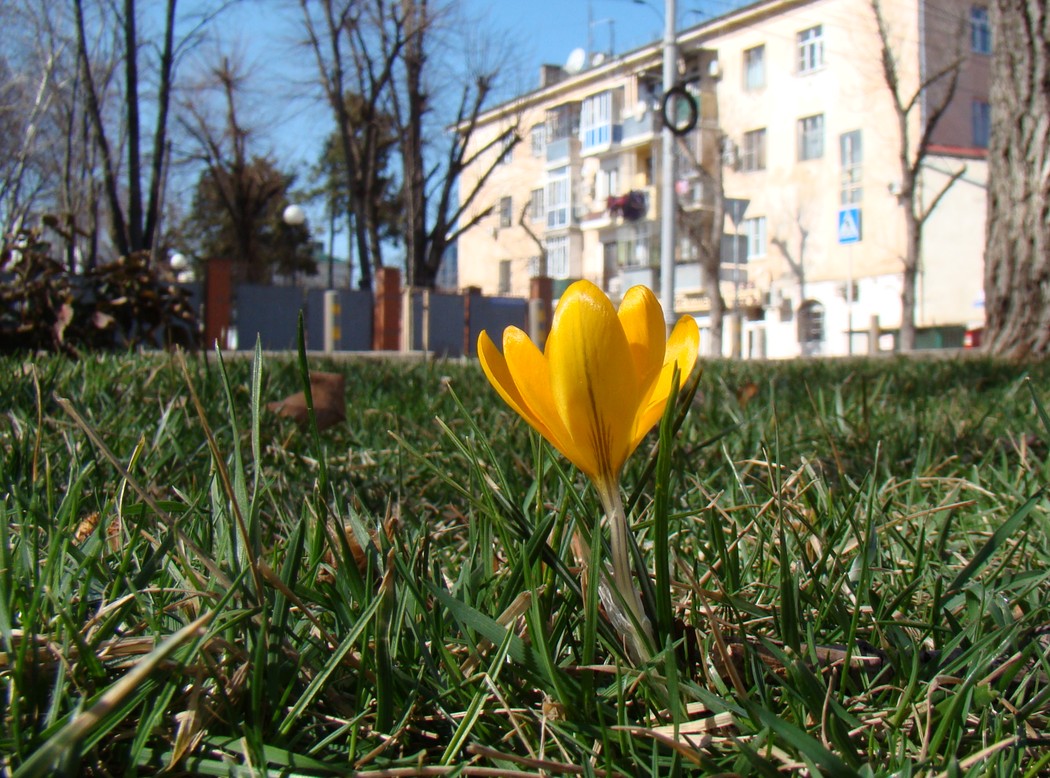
(795, 119)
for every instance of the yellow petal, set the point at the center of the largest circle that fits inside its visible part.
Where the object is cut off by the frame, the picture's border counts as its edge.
(643, 324)
(683, 347)
(531, 376)
(593, 383)
(496, 370)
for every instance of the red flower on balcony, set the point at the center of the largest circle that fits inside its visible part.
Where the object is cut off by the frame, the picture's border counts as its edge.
(631, 206)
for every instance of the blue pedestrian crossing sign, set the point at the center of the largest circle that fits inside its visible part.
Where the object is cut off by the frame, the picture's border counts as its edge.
(849, 225)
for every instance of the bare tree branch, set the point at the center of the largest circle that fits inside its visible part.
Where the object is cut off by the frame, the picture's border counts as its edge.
(929, 209)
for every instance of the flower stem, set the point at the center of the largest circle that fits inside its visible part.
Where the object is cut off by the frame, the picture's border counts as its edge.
(633, 624)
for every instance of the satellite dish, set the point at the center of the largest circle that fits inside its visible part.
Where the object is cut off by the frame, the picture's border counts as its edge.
(574, 64)
(597, 59)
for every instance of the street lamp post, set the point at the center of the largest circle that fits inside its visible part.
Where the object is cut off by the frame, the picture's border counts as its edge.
(667, 194)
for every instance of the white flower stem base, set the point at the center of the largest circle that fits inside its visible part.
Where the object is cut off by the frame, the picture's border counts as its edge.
(622, 600)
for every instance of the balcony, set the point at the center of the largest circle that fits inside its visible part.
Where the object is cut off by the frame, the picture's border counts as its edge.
(562, 151)
(598, 140)
(638, 129)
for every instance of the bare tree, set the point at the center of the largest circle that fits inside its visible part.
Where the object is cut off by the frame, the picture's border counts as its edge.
(436, 208)
(49, 168)
(706, 227)
(23, 108)
(796, 260)
(1017, 256)
(356, 45)
(133, 214)
(923, 108)
(240, 194)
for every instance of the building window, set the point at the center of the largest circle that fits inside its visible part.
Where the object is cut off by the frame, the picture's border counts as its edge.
(634, 248)
(754, 153)
(536, 212)
(811, 322)
(811, 137)
(504, 277)
(981, 118)
(811, 49)
(849, 146)
(507, 149)
(754, 68)
(606, 184)
(506, 212)
(755, 231)
(980, 30)
(558, 257)
(558, 198)
(562, 122)
(538, 140)
(596, 119)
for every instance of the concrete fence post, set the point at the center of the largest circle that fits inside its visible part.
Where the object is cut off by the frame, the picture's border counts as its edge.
(333, 335)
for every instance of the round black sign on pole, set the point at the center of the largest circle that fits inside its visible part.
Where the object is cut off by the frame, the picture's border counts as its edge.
(671, 97)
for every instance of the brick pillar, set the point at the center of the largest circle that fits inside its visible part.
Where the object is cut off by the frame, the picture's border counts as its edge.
(541, 293)
(470, 338)
(218, 301)
(386, 322)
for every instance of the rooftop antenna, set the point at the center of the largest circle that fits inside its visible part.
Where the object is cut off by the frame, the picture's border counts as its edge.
(591, 21)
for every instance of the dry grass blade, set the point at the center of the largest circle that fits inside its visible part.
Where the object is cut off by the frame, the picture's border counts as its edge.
(512, 613)
(80, 726)
(549, 766)
(146, 497)
(980, 756)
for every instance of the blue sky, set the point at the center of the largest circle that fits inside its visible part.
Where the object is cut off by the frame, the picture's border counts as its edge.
(548, 30)
(528, 32)
(523, 33)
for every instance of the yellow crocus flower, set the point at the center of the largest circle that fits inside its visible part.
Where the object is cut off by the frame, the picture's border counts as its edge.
(602, 381)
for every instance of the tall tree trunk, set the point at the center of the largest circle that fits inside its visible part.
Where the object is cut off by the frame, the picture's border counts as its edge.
(1017, 255)
(910, 274)
(415, 13)
(360, 230)
(134, 130)
(935, 93)
(160, 132)
(118, 226)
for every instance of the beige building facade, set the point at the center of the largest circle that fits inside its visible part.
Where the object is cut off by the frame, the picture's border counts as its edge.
(795, 117)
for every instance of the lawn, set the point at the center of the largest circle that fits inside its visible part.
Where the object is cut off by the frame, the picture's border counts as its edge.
(846, 563)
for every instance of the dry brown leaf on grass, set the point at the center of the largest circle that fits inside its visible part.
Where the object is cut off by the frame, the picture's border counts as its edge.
(89, 524)
(329, 396)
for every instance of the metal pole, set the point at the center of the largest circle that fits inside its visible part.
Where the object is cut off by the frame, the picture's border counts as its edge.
(667, 196)
(849, 300)
(737, 349)
(331, 242)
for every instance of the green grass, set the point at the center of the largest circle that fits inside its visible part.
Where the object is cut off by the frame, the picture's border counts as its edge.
(857, 575)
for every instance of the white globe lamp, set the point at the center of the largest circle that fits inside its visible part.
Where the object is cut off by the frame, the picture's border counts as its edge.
(294, 216)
